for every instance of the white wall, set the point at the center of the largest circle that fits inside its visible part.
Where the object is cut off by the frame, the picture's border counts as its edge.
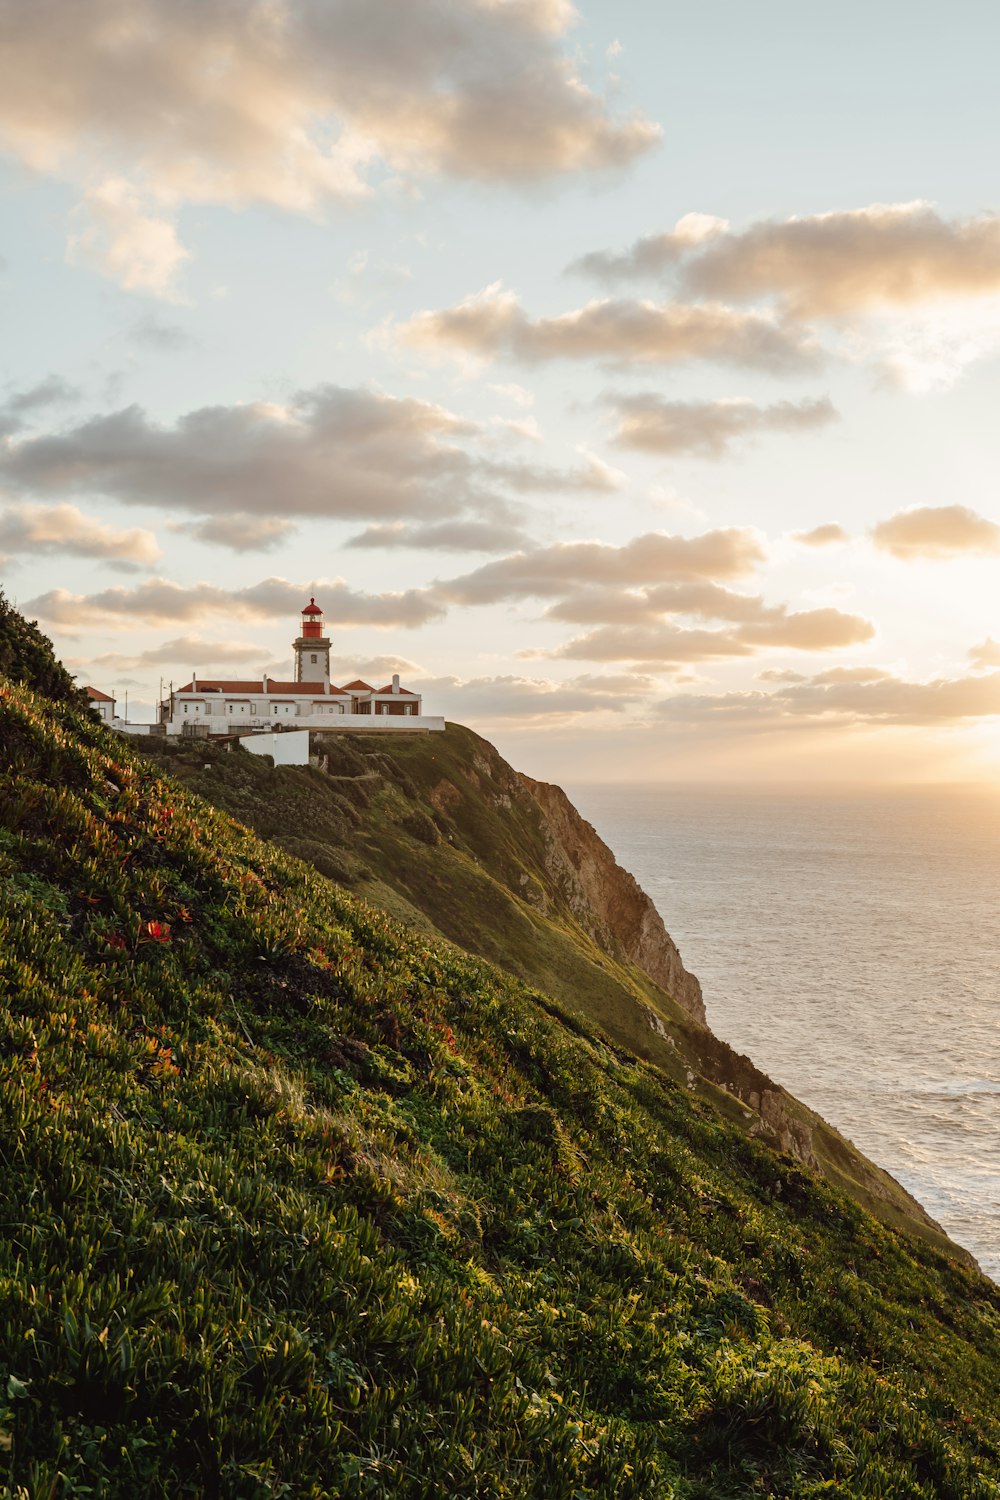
(289, 749)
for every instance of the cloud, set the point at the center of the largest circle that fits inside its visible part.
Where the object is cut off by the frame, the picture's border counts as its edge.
(330, 451)
(17, 410)
(63, 530)
(535, 699)
(851, 674)
(707, 429)
(290, 104)
(122, 235)
(367, 281)
(808, 630)
(634, 594)
(824, 265)
(345, 668)
(760, 624)
(243, 533)
(828, 535)
(546, 572)
(159, 601)
(876, 699)
(654, 254)
(937, 532)
(445, 536)
(524, 429)
(669, 644)
(184, 651)
(493, 323)
(916, 294)
(661, 645)
(986, 654)
(593, 475)
(150, 332)
(898, 254)
(514, 392)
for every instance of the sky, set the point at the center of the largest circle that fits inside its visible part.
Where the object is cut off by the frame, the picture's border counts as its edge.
(625, 375)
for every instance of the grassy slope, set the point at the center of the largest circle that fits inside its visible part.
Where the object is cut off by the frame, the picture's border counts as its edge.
(487, 886)
(473, 883)
(296, 1203)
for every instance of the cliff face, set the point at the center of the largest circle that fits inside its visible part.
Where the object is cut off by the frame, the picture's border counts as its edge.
(609, 902)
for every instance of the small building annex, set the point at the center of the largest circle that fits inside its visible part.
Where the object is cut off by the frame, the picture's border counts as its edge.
(102, 704)
(309, 701)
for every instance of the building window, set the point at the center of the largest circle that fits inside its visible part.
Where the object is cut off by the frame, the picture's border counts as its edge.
(185, 708)
(312, 659)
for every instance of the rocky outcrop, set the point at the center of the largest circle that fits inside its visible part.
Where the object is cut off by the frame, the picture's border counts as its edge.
(607, 901)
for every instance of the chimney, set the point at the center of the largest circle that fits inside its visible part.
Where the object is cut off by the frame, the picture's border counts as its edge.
(194, 682)
(263, 684)
(395, 682)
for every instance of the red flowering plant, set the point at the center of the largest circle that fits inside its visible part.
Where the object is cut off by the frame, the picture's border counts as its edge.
(154, 932)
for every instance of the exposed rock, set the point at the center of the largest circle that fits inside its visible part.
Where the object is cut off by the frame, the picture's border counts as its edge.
(608, 902)
(793, 1136)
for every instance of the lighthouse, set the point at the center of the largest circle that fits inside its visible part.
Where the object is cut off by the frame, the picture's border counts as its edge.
(312, 649)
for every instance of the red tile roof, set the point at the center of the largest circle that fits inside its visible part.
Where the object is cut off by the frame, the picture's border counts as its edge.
(256, 688)
(399, 693)
(97, 696)
(359, 685)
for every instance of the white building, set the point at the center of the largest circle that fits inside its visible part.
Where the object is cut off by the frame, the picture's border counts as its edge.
(208, 706)
(101, 703)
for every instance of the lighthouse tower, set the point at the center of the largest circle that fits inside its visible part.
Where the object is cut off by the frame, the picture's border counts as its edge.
(312, 649)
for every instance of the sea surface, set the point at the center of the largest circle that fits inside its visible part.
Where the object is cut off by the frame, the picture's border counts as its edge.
(849, 944)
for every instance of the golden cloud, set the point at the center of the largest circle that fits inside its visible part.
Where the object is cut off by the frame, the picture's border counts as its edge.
(937, 532)
(48, 530)
(492, 323)
(827, 535)
(546, 572)
(823, 265)
(877, 699)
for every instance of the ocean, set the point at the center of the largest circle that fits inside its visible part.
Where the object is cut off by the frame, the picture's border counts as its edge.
(850, 944)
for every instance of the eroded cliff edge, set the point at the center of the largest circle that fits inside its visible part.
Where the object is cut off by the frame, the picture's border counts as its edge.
(609, 901)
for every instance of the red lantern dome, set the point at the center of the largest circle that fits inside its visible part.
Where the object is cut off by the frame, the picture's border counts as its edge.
(312, 621)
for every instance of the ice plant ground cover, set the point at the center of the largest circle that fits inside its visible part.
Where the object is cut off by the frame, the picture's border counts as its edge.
(294, 1203)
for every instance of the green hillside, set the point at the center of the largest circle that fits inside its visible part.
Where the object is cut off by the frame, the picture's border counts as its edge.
(440, 832)
(296, 1202)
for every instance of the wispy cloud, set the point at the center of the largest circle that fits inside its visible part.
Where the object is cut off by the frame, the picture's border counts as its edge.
(445, 536)
(708, 429)
(159, 601)
(536, 700)
(881, 698)
(830, 534)
(18, 409)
